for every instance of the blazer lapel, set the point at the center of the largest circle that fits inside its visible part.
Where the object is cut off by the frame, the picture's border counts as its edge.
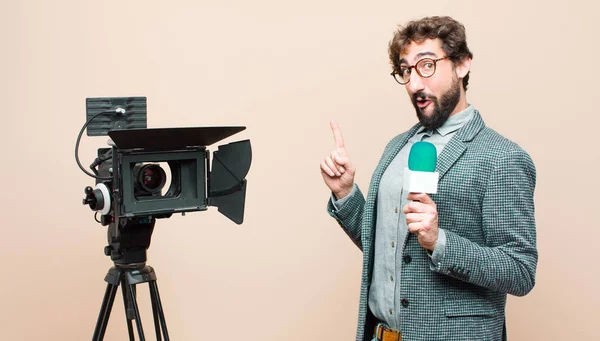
(458, 144)
(391, 153)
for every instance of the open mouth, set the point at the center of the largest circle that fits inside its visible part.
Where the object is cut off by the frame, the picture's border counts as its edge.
(422, 103)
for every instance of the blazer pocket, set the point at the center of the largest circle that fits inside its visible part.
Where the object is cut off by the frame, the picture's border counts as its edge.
(471, 305)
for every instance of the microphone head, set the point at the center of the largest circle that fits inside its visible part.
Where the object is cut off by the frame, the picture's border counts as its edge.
(422, 157)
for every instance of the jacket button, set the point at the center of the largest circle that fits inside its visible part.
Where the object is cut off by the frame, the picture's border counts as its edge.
(404, 302)
(407, 259)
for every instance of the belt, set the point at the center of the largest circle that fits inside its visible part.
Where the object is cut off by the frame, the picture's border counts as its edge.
(384, 333)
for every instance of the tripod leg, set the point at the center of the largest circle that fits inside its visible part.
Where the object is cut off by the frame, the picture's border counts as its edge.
(107, 303)
(138, 320)
(161, 315)
(155, 312)
(127, 304)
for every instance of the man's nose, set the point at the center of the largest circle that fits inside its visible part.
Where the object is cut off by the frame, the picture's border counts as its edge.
(416, 82)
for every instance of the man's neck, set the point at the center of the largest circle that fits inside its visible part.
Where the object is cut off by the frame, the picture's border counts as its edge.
(462, 105)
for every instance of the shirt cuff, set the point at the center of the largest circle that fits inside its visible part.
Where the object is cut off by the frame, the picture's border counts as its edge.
(338, 203)
(440, 248)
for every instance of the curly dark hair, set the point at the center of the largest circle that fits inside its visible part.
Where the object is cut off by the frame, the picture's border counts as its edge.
(451, 32)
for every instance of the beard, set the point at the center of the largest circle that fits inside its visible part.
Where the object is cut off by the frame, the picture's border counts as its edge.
(442, 108)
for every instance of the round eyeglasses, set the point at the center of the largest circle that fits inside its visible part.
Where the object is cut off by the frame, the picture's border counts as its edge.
(425, 68)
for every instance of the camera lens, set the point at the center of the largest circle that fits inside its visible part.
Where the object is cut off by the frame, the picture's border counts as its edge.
(150, 178)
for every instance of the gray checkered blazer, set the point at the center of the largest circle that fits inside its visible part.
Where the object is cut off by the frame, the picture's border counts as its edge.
(485, 205)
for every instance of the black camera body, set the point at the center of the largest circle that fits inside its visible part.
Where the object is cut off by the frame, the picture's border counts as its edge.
(153, 173)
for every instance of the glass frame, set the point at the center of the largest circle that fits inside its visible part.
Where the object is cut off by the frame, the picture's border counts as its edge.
(410, 67)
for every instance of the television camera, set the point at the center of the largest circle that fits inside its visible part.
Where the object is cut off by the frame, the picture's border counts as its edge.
(148, 174)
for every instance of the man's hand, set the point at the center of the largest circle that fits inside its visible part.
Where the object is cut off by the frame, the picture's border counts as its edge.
(336, 169)
(422, 219)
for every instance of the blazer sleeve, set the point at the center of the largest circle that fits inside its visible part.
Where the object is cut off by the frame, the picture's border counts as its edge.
(350, 214)
(508, 260)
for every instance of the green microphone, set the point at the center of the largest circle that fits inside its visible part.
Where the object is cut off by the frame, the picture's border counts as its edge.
(420, 176)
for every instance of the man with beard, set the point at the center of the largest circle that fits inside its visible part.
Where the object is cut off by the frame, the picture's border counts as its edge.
(439, 266)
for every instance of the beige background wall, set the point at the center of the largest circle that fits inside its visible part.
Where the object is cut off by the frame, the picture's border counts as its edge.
(283, 69)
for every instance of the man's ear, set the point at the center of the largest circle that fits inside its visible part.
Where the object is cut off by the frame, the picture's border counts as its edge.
(463, 68)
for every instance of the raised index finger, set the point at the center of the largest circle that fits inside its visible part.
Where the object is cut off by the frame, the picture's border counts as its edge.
(337, 134)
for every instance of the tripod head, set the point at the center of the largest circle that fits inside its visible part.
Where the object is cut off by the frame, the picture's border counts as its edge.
(127, 246)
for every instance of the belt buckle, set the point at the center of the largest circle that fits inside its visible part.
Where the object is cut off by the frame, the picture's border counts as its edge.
(381, 331)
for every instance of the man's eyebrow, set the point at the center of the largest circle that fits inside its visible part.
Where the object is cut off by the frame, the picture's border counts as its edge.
(423, 54)
(418, 56)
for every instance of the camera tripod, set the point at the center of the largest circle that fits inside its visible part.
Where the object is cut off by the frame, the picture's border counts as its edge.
(128, 276)
(128, 241)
